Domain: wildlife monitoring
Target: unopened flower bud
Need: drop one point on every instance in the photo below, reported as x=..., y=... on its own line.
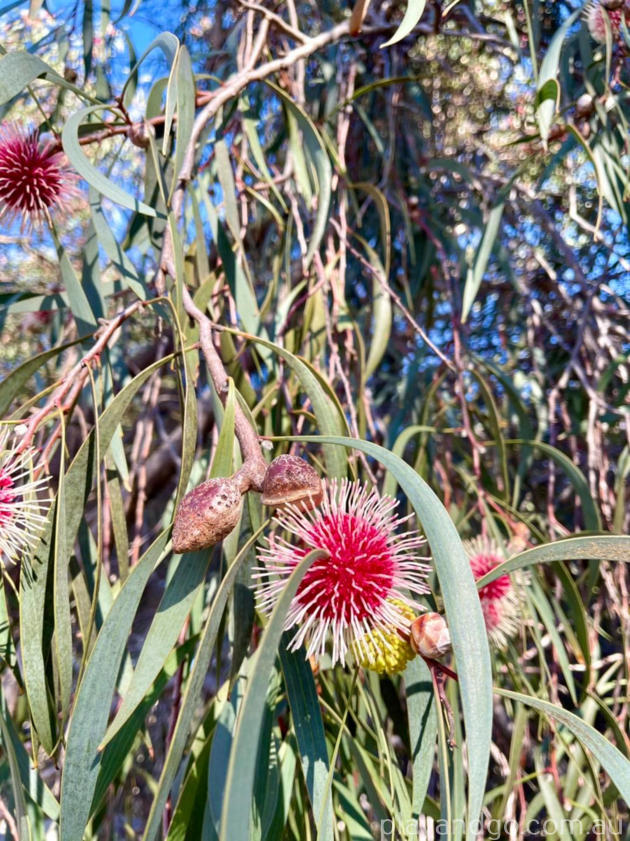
x=583, y=107
x=206, y=515
x=137, y=133
x=429, y=636
x=291, y=480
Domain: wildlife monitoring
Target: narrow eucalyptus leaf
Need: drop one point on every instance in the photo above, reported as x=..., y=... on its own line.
x=94, y=698
x=240, y=778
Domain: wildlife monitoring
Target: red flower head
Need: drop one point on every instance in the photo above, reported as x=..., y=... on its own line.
x=597, y=18
x=360, y=591
x=33, y=178
x=501, y=600
x=21, y=519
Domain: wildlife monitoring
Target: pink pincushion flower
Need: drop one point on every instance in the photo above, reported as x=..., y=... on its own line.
x=353, y=592
x=21, y=519
x=597, y=18
x=33, y=177
x=501, y=599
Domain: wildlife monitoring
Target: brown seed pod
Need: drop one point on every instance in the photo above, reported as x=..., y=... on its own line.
x=290, y=479
x=206, y=515
x=429, y=636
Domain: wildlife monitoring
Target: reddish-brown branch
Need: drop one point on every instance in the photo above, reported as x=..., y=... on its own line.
x=67, y=392
x=254, y=467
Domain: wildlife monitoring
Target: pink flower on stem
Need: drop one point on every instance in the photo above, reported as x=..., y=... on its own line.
x=501, y=599
x=357, y=593
x=33, y=177
x=21, y=519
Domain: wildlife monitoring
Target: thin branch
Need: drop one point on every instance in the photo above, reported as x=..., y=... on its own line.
x=73, y=381
x=396, y=299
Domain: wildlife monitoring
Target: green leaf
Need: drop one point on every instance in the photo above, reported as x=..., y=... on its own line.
x=189, y=812
x=14, y=383
x=382, y=314
x=186, y=580
x=8, y=656
x=168, y=43
x=309, y=731
x=549, y=620
x=555, y=813
x=422, y=728
x=94, y=698
x=228, y=188
x=192, y=694
x=592, y=519
x=588, y=548
x=35, y=635
x=78, y=485
x=61, y=594
x=34, y=786
x=241, y=771
x=233, y=264
x=185, y=98
x=413, y=13
x=77, y=299
x=547, y=89
x=494, y=420
x=223, y=459
x=88, y=35
x=610, y=757
x=189, y=424
x=577, y=617
x=329, y=415
x=19, y=69
x=463, y=612
x=114, y=250
x=94, y=177
x=288, y=761
x=250, y=123
x=356, y=821
x=220, y=757
x=119, y=522
x=170, y=104
x=116, y=755
x=476, y=273
x=19, y=302
x=24, y=829
x=316, y=150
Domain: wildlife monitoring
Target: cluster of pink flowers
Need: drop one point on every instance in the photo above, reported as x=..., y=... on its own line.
x=33, y=177
x=363, y=594
x=599, y=17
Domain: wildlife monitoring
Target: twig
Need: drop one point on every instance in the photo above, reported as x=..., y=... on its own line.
x=254, y=464
x=292, y=31
x=254, y=467
x=72, y=382
x=396, y=299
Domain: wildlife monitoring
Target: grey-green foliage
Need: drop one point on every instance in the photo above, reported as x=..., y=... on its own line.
x=412, y=243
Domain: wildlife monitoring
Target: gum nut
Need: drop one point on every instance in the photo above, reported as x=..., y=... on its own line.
x=290, y=479
x=429, y=635
x=206, y=515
